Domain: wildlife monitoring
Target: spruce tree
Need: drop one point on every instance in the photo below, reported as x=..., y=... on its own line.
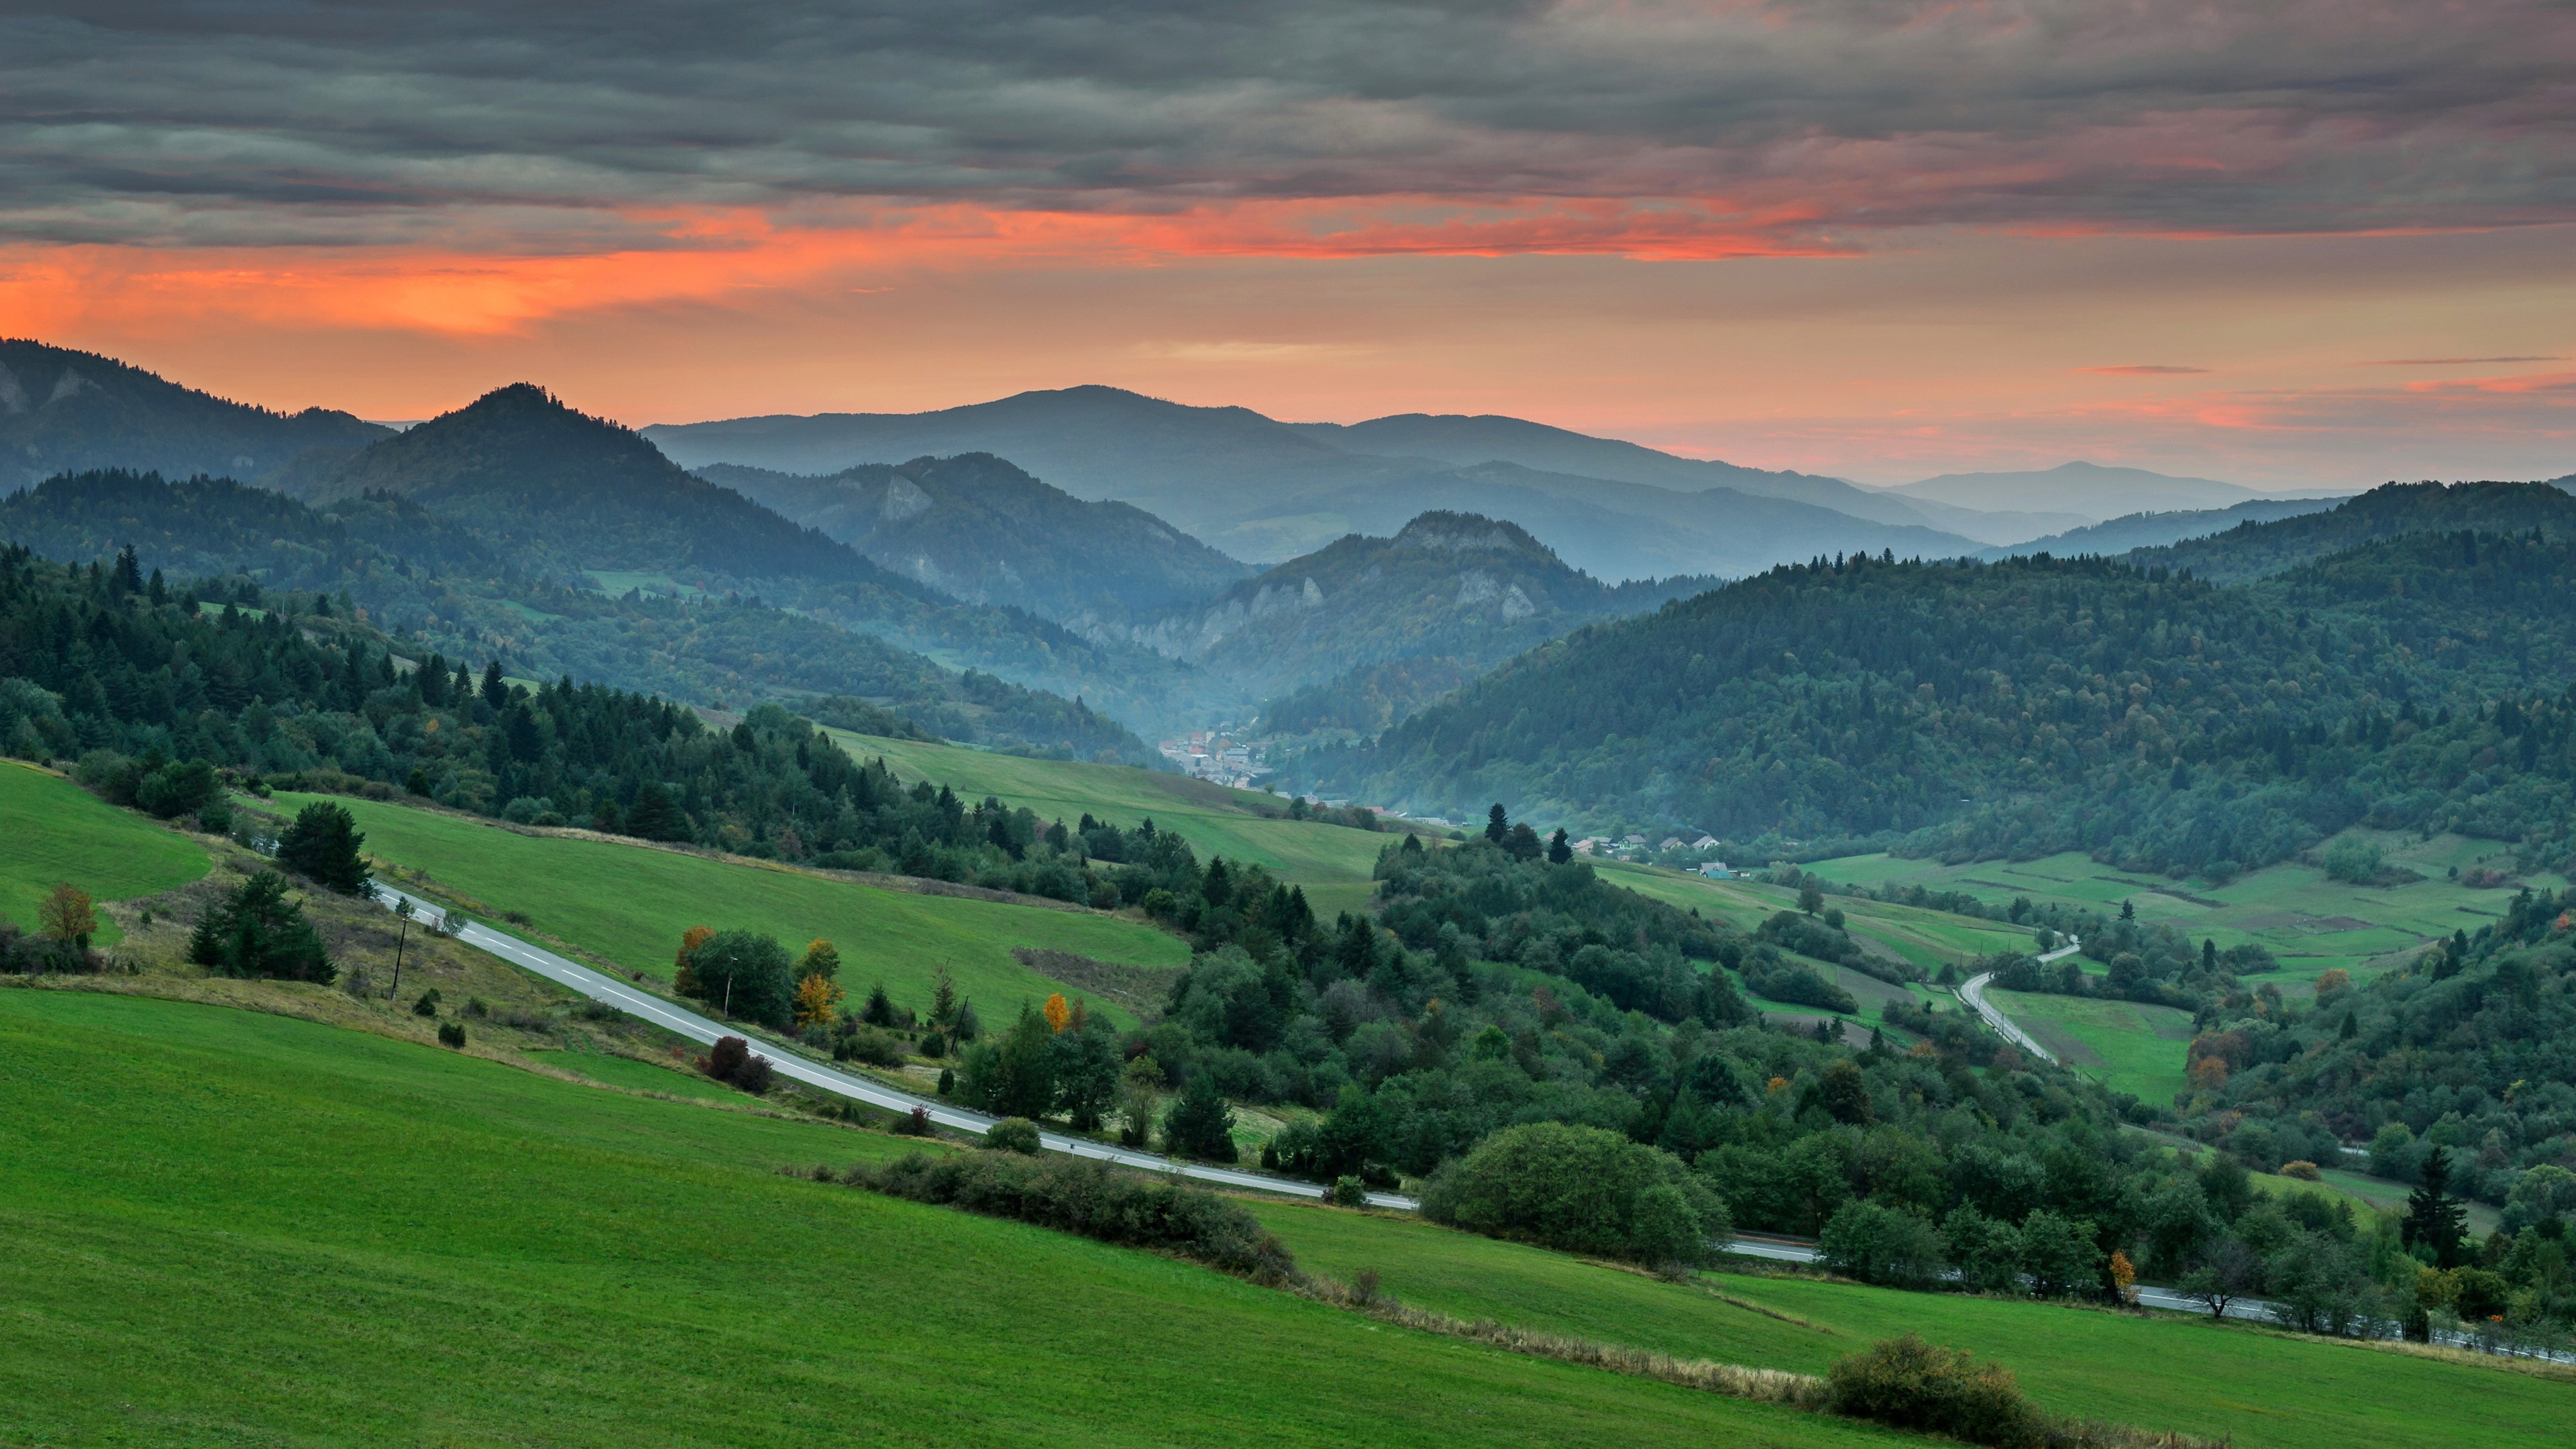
x=323, y=844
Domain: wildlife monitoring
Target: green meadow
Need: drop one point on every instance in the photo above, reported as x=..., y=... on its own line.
x=53, y=830
x=230, y=1228
x=2128, y=1046
x=1332, y=862
x=629, y=905
x=2153, y=1370
x=2310, y=923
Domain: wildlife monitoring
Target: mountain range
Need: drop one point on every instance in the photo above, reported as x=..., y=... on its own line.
x=63, y=411
x=1264, y=490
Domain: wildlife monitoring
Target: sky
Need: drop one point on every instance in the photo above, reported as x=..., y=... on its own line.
x=2302, y=243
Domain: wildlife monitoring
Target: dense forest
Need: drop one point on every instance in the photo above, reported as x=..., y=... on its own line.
x=2019, y=708
x=142, y=684
x=439, y=585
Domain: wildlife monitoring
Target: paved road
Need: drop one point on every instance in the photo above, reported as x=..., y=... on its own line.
x=1796, y=1250
x=1973, y=992
x=640, y=1003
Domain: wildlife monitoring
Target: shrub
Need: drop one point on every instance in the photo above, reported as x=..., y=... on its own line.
x=255, y=931
x=1013, y=1134
x=451, y=1034
x=1910, y=1384
x=2356, y=861
x=725, y=1058
x=868, y=1045
x=1880, y=1244
x=322, y=845
x=1082, y=1195
x=427, y=1005
x=2302, y=1169
x=915, y=1123
x=1582, y=1189
x=1349, y=1192
x=178, y=789
x=1781, y=979
x=753, y=1076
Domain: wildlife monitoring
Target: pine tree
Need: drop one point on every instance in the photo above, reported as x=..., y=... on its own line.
x=2434, y=1218
x=1201, y=1123
x=943, y=999
x=1559, y=851
x=1497, y=824
x=323, y=845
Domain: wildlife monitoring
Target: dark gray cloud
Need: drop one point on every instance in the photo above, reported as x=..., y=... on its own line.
x=548, y=125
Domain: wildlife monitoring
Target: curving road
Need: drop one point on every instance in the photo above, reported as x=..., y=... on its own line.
x=1973, y=992
x=680, y=1021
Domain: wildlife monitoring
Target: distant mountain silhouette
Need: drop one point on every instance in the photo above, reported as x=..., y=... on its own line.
x=1266, y=491
x=2088, y=490
x=63, y=411
x=979, y=528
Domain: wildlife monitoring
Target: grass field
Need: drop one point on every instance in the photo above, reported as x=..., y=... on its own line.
x=53, y=830
x=228, y=1229
x=1332, y=862
x=629, y=905
x=2125, y=1045
x=2160, y=1372
x=2310, y=923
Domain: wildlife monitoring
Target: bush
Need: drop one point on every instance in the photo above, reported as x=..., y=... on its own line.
x=255, y=931
x=451, y=1034
x=869, y=1045
x=1349, y=1192
x=915, y=1123
x=178, y=789
x=1910, y=1384
x=322, y=845
x=1082, y=1195
x=1779, y=979
x=2356, y=861
x=1883, y=1245
x=1013, y=1134
x=1581, y=1189
x=427, y=1005
x=731, y=1060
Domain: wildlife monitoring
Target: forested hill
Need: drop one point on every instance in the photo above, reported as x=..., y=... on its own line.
x=2253, y=550
x=520, y=466
x=2040, y=704
x=446, y=587
x=64, y=411
x=1449, y=596
x=978, y=527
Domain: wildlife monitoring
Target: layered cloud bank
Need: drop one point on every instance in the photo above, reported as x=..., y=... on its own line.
x=474, y=169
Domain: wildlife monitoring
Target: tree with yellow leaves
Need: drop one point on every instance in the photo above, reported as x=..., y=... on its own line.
x=2124, y=1277
x=818, y=1002
x=822, y=958
x=684, y=970
x=68, y=915
x=1058, y=1014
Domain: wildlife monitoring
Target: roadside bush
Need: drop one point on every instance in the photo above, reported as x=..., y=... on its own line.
x=1910, y=1384
x=731, y=1061
x=868, y=1045
x=915, y=1123
x=1581, y=1189
x=1013, y=1134
x=1879, y=1244
x=1349, y=1192
x=1082, y=1195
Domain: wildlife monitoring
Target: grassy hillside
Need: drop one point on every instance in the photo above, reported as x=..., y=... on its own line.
x=629, y=905
x=387, y=1243
x=2159, y=1371
x=53, y=830
x=1332, y=862
x=2312, y=924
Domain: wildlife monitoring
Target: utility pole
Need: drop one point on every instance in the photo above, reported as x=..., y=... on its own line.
x=402, y=908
